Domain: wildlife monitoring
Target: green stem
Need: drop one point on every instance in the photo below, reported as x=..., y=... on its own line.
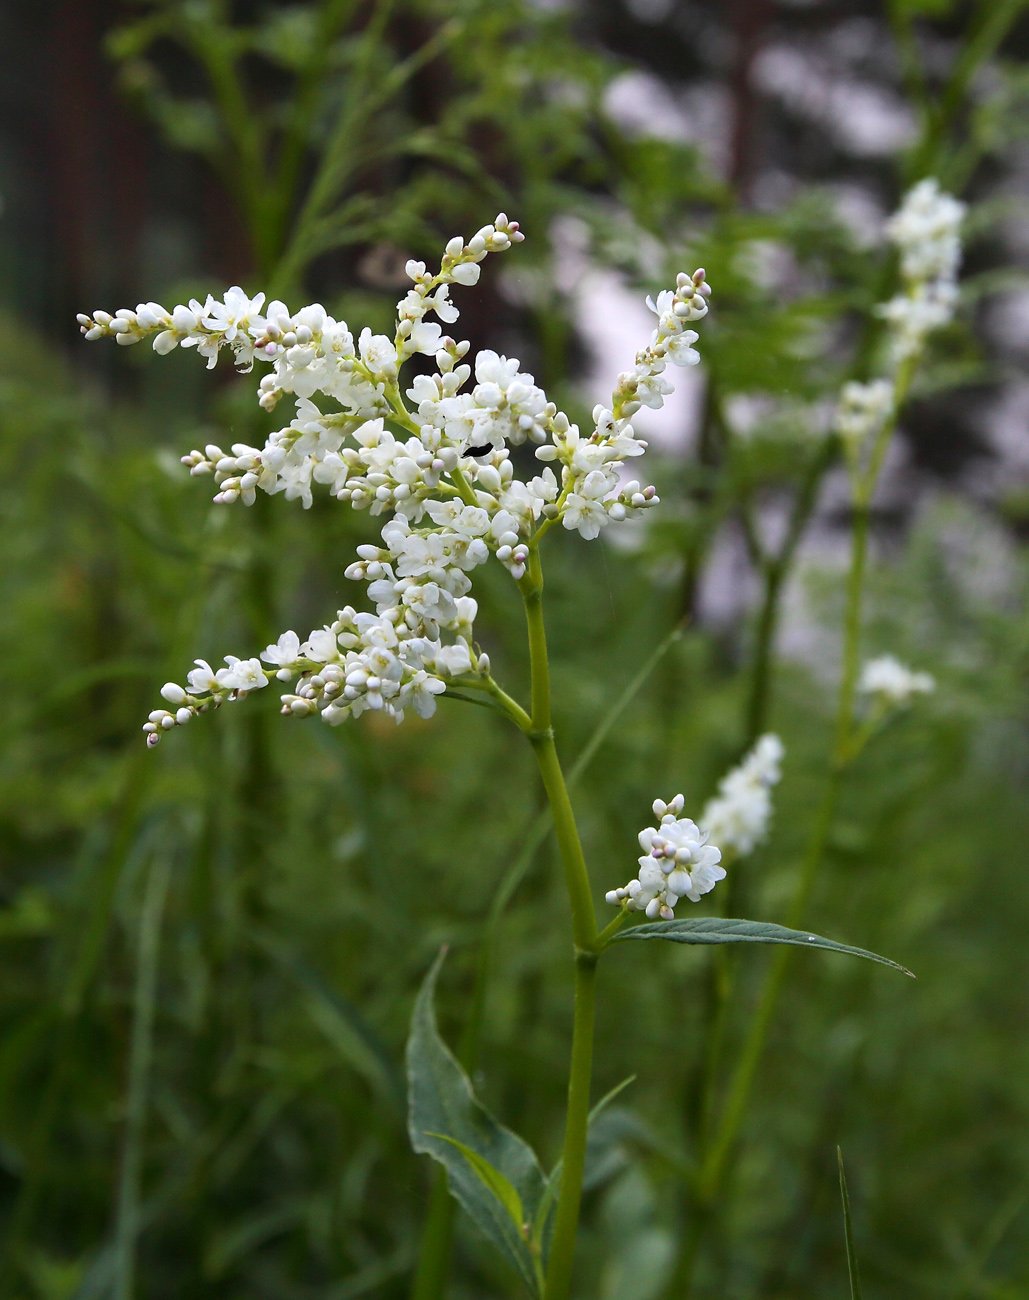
x=992, y=22
x=851, y=637
x=584, y=926
x=584, y=923
x=584, y=931
x=244, y=158
x=759, y=697
x=463, y=486
x=715, y=1160
x=566, y=1223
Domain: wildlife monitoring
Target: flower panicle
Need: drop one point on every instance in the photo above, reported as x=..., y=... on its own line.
x=432, y=456
x=739, y=816
x=926, y=231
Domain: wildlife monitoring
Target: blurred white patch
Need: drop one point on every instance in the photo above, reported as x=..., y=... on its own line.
x=858, y=210
x=1008, y=320
x=1006, y=424
x=864, y=119
x=643, y=105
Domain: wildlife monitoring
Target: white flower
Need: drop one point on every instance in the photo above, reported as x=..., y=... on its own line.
x=892, y=682
x=584, y=508
x=241, y=675
x=201, y=678
x=677, y=862
x=379, y=354
x=285, y=655
x=914, y=315
x=646, y=384
x=234, y=314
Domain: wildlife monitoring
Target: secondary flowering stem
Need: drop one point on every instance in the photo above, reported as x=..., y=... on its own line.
x=715, y=1159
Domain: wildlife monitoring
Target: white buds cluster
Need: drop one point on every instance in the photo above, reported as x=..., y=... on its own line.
x=677, y=862
x=646, y=384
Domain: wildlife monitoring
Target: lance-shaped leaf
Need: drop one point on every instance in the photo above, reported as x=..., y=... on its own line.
x=721, y=929
x=492, y=1173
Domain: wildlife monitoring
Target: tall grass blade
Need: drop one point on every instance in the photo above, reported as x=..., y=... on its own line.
x=848, y=1231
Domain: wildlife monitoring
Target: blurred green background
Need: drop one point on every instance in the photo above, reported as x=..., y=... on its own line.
x=208, y=954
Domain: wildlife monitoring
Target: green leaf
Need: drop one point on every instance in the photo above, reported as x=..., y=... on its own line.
x=492, y=1173
x=848, y=1232
x=721, y=929
x=490, y=1178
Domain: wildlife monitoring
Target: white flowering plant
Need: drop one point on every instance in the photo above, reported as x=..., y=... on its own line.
x=430, y=456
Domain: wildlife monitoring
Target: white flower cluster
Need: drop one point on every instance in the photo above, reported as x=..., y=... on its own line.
x=926, y=231
x=390, y=661
x=677, y=862
x=434, y=458
x=645, y=384
x=739, y=815
x=892, y=683
x=863, y=414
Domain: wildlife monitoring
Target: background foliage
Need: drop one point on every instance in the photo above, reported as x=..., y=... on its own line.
x=208, y=956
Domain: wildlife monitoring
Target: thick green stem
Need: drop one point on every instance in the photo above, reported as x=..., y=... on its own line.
x=539, y=665
x=566, y=1223
x=584, y=925
x=584, y=930
x=584, y=921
